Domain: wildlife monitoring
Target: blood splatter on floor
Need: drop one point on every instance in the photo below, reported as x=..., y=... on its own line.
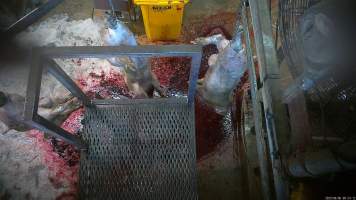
x=202, y=27
x=209, y=128
x=104, y=85
x=172, y=72
x=61, y=158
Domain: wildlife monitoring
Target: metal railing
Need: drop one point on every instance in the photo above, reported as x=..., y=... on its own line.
x=43, y=58
x=267, y=92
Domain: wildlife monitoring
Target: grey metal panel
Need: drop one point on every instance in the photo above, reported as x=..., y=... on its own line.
x=33, y=86
x=112, y=51
x=139, y=149
x=257, y=112
x=193, y=77
x=275, y=112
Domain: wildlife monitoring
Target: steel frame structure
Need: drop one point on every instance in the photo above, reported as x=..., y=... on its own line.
x=43, y=58
x=273, y=140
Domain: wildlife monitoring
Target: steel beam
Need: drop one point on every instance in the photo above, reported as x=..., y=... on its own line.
x=193, y=77
x=257, y=113
x=33, y=86
x=275, y=112
x=113, y=51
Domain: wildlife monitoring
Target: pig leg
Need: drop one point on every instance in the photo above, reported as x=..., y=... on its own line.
x=135, y=87
x=62, y=109
x=215, y=39
x=157, y=86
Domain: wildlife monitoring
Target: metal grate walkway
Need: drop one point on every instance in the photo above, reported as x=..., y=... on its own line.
x=139, y=149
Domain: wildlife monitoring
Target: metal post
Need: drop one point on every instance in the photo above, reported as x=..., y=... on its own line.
x=193, y=78
x=275, y=112
x=257, y=114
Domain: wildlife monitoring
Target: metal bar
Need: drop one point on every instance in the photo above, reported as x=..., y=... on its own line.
x=275, y=112
x=104, y=102
x=31, y=17
x=50, y=128
x=30, y=116
x=33, y=87
x=62, y=77
x=257, y=113
x=193, y=77
x=113, y=51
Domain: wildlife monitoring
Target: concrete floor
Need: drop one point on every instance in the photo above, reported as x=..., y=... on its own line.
x=219, y=172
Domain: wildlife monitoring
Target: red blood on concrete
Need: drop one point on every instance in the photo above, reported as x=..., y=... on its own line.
x=61, y=158
x=172, y=72
x=60, y=173
x=104, y=86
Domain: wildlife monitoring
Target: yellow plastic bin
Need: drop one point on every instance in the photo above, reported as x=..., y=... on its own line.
x=162, y=18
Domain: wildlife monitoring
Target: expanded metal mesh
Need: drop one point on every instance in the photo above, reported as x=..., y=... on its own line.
x=139, y=149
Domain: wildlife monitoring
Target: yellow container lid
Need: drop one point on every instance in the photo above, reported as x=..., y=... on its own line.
x=160, y=2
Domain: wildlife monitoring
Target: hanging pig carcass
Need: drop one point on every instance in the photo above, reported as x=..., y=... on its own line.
x=137, y=70
x=225, y=71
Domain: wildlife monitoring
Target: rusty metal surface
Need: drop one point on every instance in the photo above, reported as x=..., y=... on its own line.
x=139, y=149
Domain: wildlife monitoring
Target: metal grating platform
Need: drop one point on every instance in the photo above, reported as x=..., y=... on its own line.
x=139, y=149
